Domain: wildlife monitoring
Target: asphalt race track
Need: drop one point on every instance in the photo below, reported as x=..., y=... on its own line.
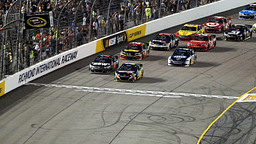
x=169, y=105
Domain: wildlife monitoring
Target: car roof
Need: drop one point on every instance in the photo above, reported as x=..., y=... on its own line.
x=203, y=35
x=165, y=34
x=217, y=17
x=192, y=25
x=136, y=43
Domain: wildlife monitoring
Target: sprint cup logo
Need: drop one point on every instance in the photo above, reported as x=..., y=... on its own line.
x=136, y=32
x=36, y=22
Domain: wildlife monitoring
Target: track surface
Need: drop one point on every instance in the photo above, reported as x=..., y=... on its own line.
x=79, y=108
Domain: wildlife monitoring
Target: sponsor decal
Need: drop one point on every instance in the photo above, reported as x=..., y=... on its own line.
x=250, y=98
x=47, y=66
x=37, y=21
x=2, y=88
x=114, y=40
x=136, y=33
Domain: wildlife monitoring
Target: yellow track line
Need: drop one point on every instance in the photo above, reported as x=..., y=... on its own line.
x=198, y=142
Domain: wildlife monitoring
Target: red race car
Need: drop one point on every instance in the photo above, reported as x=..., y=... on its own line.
x=217, y=24
x=202, y=42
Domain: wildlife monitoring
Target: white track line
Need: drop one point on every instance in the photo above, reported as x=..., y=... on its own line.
x=132, y=92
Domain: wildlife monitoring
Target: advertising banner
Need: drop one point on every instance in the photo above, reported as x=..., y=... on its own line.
x=37, y=21
x=2, y=88
x=136, y=32
x=115, y=39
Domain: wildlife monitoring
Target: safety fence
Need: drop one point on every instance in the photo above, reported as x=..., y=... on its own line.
x=75, y=22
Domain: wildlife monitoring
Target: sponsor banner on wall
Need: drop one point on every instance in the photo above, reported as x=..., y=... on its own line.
x=37, y=21
x=136, y=32
x=248, y=98
x=2, y=88
x=115, y=39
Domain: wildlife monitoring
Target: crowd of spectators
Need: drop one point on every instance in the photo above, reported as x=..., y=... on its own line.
x=79, y=23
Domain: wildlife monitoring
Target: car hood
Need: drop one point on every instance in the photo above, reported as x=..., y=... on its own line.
x=198, y=42
x=125, y=72
x=158, y=42
x=233, y=32
x=250, y=12
x=186, y=33
x=131, y=50
x=100, y=64
x=211, y=24
x=179, y=58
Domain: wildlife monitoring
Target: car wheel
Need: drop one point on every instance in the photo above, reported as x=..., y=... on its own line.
x=176, y=44
x=225, y=38
x=134, y=79
x=142, y=75
x=250, y=34
x=214, y=45
x=207, y=48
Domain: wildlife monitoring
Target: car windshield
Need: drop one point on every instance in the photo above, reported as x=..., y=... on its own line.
x=237, y=28
x=252, y=8
x=134, y=47
x=201, y=38
x=215, y=20
x=128, y=67
x=178, y=52
x=162, y=37
x=102, y=59
x=188, y=28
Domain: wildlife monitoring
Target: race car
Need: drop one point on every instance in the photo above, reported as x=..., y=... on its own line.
x=135, y=51
x=202, y=42
x=164, y=41
x=188, y=31
x=182, y=56
x=104, y=63
x=129, y=72
x=217, y=24
x=238, y=32
x=248, y=13
x=254, y=27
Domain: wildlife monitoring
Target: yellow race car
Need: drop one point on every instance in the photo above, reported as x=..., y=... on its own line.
x=188, y=31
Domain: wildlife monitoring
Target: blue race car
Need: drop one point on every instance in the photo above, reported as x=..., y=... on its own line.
x=182, y=56
x=248, y=13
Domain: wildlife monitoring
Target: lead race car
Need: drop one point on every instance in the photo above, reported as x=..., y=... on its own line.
x=135, y=51
x=104, y=63
x=217, y=24
x=188, y=31
x=129, y=72
x=248, y=13
x=202, y=42
x=164, y=41
x=238, y=32
x=182, y=56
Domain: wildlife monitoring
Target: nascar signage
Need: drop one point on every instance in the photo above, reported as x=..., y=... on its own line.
x=2, y=88
x=37, y=21
x=114, y=40
x=136, y=32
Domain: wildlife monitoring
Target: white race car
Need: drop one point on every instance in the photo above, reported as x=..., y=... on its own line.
x=182, y=56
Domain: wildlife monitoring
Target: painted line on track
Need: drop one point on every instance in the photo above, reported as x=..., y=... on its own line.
x=200, y=138
x=132, y=92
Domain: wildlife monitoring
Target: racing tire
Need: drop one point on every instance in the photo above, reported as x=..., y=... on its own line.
x=142, y=75
x=188, y=64
x=214, y=45
x=250, y=34
x=176, y=44
x=225, y=38
x=207, y=48
x=134, y=79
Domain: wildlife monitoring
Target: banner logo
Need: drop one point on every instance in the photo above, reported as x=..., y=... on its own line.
x=2, y=88
x=136, y=33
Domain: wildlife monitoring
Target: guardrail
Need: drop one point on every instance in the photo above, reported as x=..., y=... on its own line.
x=53, y=63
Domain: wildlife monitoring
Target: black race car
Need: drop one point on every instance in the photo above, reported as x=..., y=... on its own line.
x=164, y=41
x=129, y=72
x=104, y=63
x=238, y=32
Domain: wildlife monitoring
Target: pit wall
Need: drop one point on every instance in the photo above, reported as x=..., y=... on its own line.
x=51, y=64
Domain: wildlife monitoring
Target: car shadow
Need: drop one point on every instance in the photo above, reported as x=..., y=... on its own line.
x=221, y=49
x=154, y=58
x=150, y=80
x=201, y=64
